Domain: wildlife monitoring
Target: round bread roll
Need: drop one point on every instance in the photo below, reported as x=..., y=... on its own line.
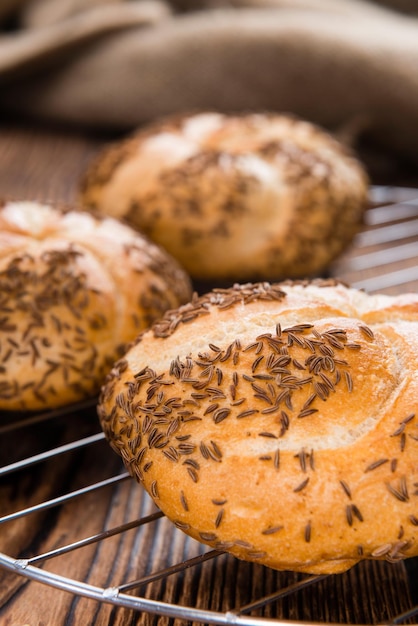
x=249, y=197
x=278, y=422
x=74, y=290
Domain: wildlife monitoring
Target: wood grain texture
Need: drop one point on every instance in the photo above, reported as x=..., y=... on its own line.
x=41, y=164
x=46, y=165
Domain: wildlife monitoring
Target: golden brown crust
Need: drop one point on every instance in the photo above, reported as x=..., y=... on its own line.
x=242, y=197
x=278, y=422
x=74, y=291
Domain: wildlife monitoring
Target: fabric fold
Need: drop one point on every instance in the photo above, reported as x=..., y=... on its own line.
x=345, y=63
x=44, y=47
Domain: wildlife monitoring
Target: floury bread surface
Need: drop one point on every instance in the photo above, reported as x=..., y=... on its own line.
x=74, y=290
x=278, y=422
x=244, y=197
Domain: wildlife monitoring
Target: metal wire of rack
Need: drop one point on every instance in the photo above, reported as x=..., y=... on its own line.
x=372, y=265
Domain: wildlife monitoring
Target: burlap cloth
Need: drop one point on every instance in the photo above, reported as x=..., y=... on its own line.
x=348, y=65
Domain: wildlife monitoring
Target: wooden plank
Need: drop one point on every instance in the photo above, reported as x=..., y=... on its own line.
x=42, y=164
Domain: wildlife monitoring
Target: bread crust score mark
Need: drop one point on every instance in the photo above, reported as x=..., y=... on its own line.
x=278, y=422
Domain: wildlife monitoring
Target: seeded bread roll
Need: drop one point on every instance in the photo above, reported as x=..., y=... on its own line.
x=74, y=290
x=278, y=422
x=257, y=196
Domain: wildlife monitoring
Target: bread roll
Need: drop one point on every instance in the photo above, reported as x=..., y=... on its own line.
x=74, y=290
x=278, y=422
x=250, y=197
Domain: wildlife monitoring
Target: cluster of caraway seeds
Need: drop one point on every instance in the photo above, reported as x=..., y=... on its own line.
x=36, y=296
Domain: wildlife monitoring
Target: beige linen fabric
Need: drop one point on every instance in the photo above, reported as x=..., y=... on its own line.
x=114, y=64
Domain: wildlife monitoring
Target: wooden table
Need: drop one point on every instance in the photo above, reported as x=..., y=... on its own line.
x=46, y=164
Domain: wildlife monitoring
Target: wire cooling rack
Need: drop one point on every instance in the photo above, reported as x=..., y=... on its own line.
x=384, y=258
